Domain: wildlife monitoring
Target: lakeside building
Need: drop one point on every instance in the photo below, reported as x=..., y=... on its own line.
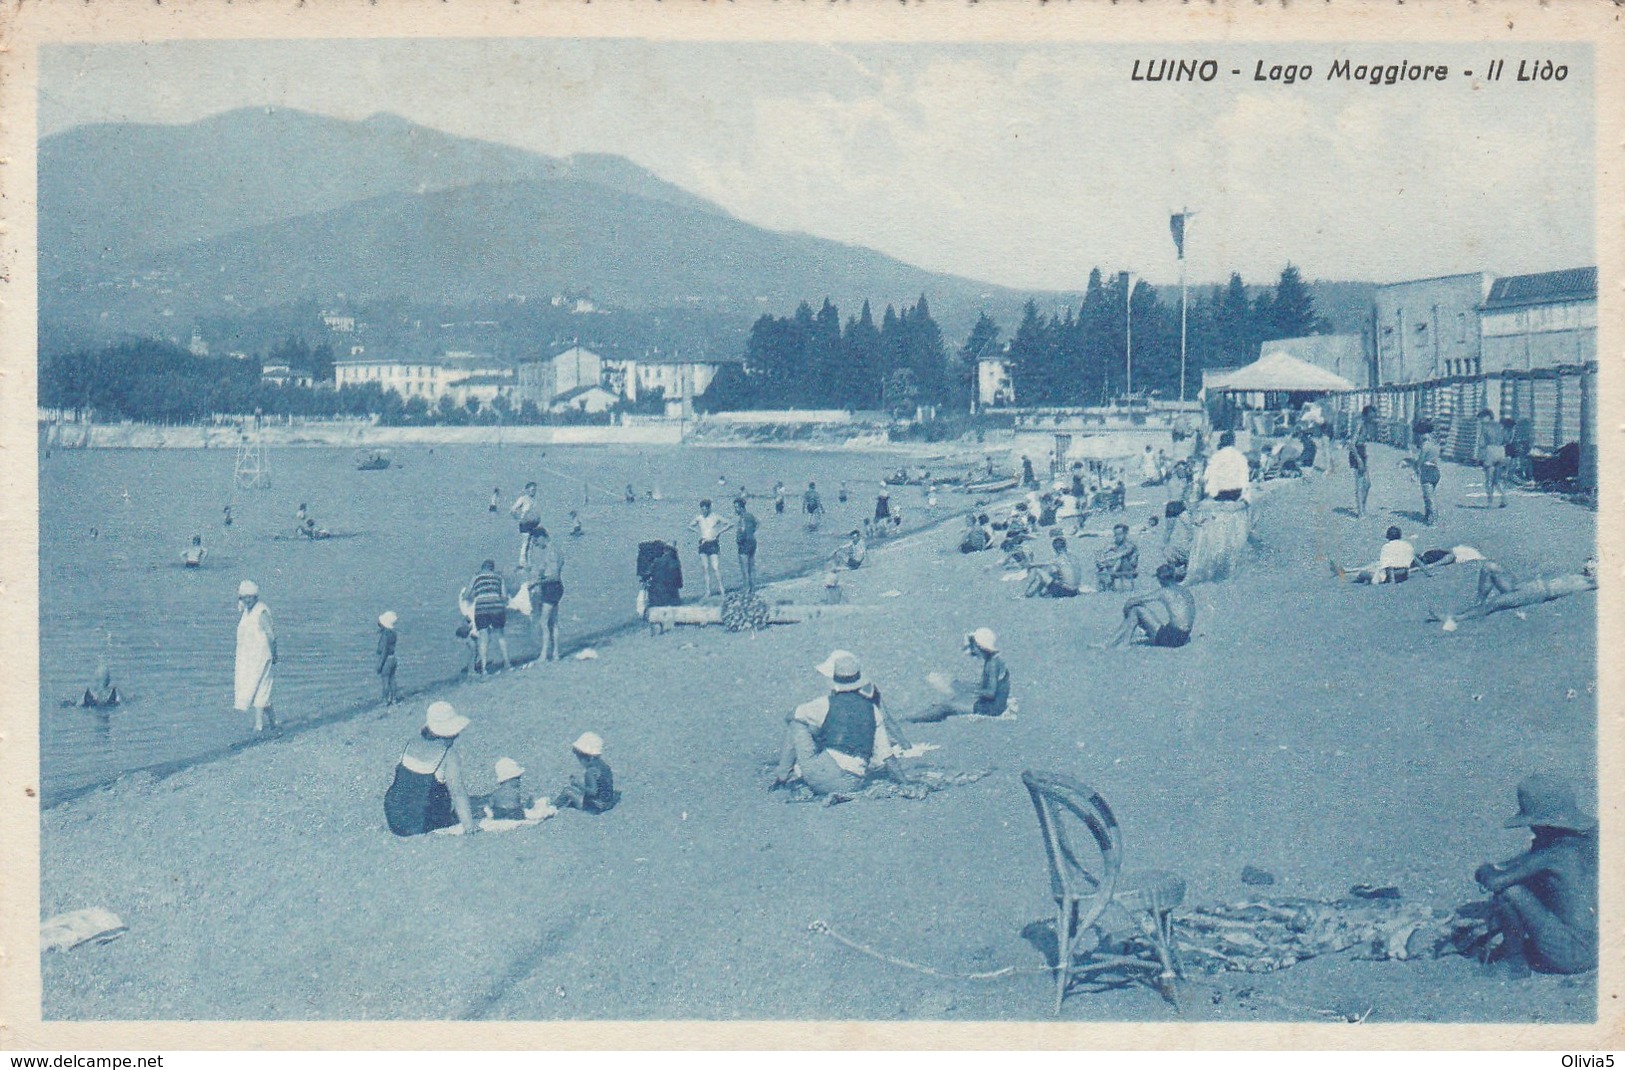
x=278, y=373
x=994, y=385
x=1427, y=328
x=543, y=380
x=460, y=375
x=1545, y=320
x=590, y=398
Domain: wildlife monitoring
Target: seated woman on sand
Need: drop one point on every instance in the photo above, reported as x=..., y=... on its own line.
x=989, y=696
x=427, y=792
x=837, y=742
x=1393, y=564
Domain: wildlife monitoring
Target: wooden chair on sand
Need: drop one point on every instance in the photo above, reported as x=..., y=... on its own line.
x=1088, y=884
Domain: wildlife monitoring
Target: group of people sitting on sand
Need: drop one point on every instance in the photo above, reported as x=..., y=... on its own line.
x=430, y=791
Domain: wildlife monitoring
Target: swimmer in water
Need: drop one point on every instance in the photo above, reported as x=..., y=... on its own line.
x=299, y=519
x=95, y=533
x=496, y=494
x=193, y=555
x=575, y=525
x=631, y=495
x=101, y=694
x=227, y=512
x=311, y=531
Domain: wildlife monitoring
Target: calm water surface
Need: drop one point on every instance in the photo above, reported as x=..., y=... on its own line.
x=113, y=524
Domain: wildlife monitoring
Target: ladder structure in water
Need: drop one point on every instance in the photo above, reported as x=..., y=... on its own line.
x=253, y=472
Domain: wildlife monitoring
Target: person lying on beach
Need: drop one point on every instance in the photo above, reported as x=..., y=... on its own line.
x=988, y=697
x=1499, y=589
x=389, y=694
x=1544, y=901
x=838, y=741
x=1058, y=579
x=1393, y=564
x=592, y=791
x=100, y=692
x=193, y=555
x=1120, y=560
x=1165, y=616
x=509, y=800
x=427, y=792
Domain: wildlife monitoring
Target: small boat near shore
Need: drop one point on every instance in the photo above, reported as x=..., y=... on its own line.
x=992, y=486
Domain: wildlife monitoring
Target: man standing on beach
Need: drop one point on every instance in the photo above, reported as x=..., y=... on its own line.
x=1492, y=454
x=256, y=656
x=745, y=534
x=524, y=510
x=549, y=591
x=710, y=526
x=813, y=505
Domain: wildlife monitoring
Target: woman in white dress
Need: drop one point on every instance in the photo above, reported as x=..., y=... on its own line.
x=256, y=654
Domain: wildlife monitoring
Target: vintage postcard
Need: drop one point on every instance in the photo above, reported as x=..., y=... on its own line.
x=556, y=525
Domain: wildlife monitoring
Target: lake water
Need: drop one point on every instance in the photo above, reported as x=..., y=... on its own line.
x=113, y=524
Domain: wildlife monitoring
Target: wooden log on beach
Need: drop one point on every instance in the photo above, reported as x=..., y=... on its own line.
x=667, y=616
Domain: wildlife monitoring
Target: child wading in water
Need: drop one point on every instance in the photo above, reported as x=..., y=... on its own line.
x=388, y=692
x=593, y=791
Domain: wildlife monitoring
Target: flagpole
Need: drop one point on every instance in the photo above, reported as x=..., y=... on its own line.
x=1185, y=213
x=1128, y=331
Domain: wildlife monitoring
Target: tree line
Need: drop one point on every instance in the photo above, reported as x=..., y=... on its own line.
x=1072, y=356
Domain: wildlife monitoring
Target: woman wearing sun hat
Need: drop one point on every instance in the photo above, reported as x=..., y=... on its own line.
x=832, y=744
x=256, y=656
x=427, y=792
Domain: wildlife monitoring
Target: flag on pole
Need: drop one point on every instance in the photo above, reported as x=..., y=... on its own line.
x=1176, y=226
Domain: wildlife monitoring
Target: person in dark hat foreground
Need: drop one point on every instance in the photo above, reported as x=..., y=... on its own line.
x=1544, y=905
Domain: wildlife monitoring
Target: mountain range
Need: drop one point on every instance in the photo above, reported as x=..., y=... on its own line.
x=262, y=206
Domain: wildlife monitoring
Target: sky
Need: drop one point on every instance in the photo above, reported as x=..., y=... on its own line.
x=1023, y=165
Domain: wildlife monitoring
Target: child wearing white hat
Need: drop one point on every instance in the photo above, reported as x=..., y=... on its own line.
x=510, y=800
x=389, y=694
x=593, y=791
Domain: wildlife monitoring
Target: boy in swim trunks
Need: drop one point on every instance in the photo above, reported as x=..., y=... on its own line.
x=524, y=510
x=192, y=556
x=1166, y=616
x=490, y=597
x=549, y=565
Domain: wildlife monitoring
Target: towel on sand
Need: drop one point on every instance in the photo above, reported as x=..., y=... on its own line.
x=534, y=816
x=64, y=932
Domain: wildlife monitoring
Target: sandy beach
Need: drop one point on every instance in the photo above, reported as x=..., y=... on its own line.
x=1321, y=731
